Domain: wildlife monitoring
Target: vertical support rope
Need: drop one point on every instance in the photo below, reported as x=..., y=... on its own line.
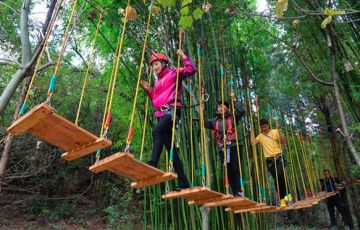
x=202, y=123
x=130, y=132
x=232, y=94
x=37, y=65
x=112, y=82
x=145, y=120
x=248, y=158
x=262, y=158
x=254, y=148
x=291, y=160
x=222, y=76
x=88, y=68
x=175, y=106
x=115, y=73
x=62, y=50
x=298, y=161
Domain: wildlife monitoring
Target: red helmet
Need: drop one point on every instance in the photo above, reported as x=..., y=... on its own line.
x=158, y=56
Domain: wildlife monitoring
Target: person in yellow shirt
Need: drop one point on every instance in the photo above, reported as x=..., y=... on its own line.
x=271, y=141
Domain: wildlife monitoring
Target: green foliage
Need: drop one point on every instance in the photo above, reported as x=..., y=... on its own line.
x=167, y=3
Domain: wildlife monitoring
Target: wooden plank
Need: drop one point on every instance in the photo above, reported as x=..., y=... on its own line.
x=154, y=180
x=207, y=200
x=30, y=119
x=194, y=194
x=236, y=201
x=73, y=154
x=62, y=133
x=253, y=209
x=124, y=164
x=235, y=208
x=111, y=160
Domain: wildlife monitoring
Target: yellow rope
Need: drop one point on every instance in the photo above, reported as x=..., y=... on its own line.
x=316, y=165
x=290, y=157
x=117, y=62
x=298, y=161
x=282, y=162
x=224, y=130
x=202, y=123
x=63, y=45
x=45, y=43
x=110, y=84
x=175, y=103
x=88, y=68
x=128, y=140
x=248, y=160
x=306, y=163
x=237, y=138
x=191, y=132
x=145, y=120
x=262, y=158
x=253, y=145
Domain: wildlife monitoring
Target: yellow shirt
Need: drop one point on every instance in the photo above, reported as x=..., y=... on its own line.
x=270, y=143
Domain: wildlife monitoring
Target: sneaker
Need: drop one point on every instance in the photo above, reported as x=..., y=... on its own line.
x=288, y=198
x=182, y=186
x=239, y=194
x=282, y=203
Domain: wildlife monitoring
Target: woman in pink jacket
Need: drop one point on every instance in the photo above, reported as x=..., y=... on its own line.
x=163, y=99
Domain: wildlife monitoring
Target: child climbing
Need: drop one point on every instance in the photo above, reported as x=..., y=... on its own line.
x=216, y=125
x=271, y=140
x=163, y=97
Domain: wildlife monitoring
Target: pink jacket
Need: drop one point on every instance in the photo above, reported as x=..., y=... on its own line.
x=164, y=89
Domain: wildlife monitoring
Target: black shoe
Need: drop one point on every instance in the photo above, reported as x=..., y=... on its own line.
x=151, y=163
x=239, y=194
x=182, y=186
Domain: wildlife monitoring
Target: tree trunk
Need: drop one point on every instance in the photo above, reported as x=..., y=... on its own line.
x=353, y=153
x=27, y=61
x=9, y=139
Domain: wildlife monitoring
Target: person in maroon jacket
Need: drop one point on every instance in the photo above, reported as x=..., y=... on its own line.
x=163, y=99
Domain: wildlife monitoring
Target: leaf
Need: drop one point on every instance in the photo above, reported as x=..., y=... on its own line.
x=186, y=22
x=281, y=7
x=197, y=13
x=296, y=23
x=185, y=2
x=167, y=3
x=330, y=12
x=184, y=11
x=326, y=21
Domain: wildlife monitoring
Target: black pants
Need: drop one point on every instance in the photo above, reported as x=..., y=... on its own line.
x=233, y=170
x=162, y=133
x=340, y=204
x=270, y=163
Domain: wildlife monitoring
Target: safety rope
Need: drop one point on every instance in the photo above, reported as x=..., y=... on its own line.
x=170, y=169
x=222, y=76
x=38, y=62
x=112, y=82
x=298, y=162
x=252, y=130
x=264, y=172
x=91, y=57
x=130, y=132
x=145, y=120
x=62, y=50
x=232, y=94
